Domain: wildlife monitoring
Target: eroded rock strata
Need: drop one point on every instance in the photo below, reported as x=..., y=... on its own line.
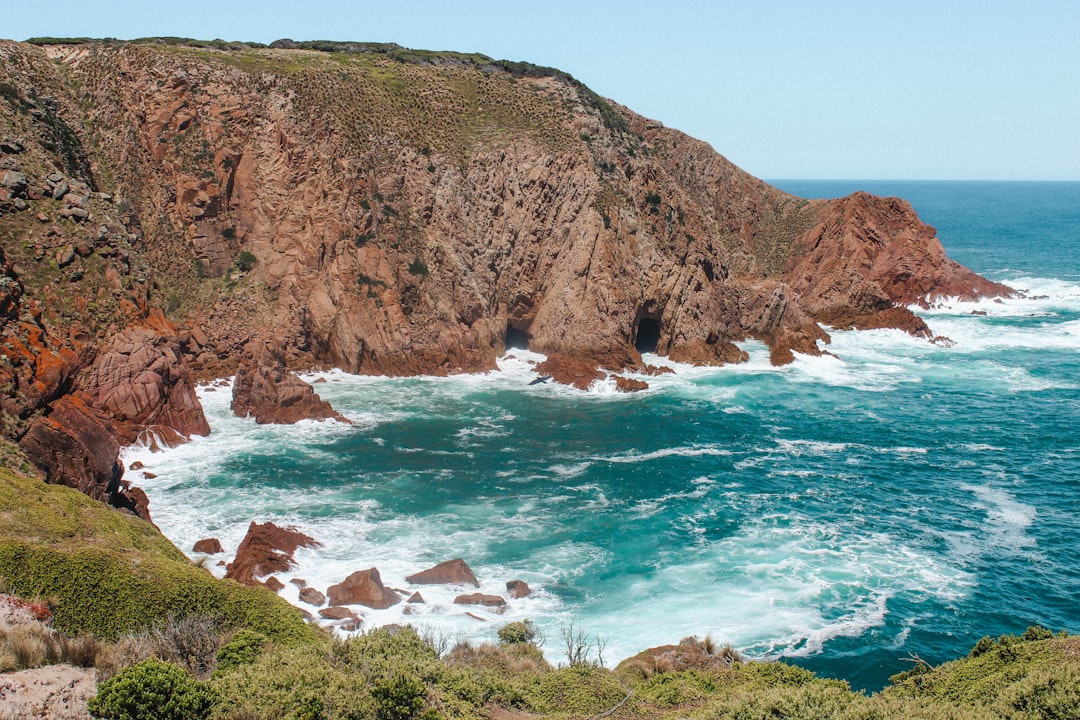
x=164, y=207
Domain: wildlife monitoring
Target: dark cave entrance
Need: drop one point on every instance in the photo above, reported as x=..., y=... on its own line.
x=516, y=338
x=647, y=336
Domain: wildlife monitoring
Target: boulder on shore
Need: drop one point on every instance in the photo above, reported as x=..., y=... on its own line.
x=579, y=372
x=210, y=546
x=312, y=596
x=363, y=587
x=451, y=572
x=266, y=549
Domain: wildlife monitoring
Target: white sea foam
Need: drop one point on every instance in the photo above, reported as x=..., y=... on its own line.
x=686, y=451
x=1007, y=519
x=776, y=588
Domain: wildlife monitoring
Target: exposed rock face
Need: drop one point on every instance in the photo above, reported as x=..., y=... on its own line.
x=393, y=217
x=363, y=587
x=451, y=572
x=266, y=549
x=76, y=446
x=589, y=248
x=140, y=379
x=266, y=390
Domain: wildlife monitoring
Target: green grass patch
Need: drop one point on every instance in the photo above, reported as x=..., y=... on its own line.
x=108, y=573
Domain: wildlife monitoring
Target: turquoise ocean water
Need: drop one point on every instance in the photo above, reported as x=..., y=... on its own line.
x=898, y=498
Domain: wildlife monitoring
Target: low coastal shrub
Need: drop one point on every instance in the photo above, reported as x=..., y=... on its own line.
x=152, y=689
x=580, y=690
x=399, y=696
x=517, y=633
x=242, y=649
x=100, y=592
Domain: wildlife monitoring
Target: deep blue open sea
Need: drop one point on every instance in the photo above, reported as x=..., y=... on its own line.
x=898, y=498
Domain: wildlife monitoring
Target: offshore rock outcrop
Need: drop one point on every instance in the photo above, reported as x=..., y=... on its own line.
x=398, y=215
x=265, y=549
x=266, y=390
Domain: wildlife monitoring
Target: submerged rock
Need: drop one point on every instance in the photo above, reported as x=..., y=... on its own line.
x=480, y=599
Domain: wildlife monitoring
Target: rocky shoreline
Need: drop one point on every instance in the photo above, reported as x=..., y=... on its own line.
x=173, y=215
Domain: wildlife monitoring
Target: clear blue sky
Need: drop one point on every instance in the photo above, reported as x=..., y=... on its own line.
x=914, y=89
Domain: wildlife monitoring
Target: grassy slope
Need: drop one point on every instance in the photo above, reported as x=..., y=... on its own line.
x=109, y=573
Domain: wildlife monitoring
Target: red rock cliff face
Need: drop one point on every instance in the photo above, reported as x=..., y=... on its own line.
x=408, y=217
x=398, y=217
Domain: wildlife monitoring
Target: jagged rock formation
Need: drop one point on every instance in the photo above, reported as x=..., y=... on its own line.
x=265, y=549
x=451, y=572
x=266, y=390
x=413, y=213
x=363, y=587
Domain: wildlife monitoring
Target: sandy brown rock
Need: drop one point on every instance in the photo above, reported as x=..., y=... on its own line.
x=266, y=390
x=451, y=572
x=53, y=691
x=363, y=587
x=210, y=546
x=266, y=549
x=480, y=599
x=579, y=372
x=518, y=589
x=312, y=596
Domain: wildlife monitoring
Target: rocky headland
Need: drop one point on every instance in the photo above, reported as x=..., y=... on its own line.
x=173, y=212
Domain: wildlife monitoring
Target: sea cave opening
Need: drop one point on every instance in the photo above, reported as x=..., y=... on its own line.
x=647, y=335
x=516, y=338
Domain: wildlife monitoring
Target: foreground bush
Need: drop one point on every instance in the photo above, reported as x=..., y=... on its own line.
x=152, y=689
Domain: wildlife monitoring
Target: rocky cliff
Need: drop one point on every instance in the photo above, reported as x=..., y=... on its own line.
x=386, y=211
